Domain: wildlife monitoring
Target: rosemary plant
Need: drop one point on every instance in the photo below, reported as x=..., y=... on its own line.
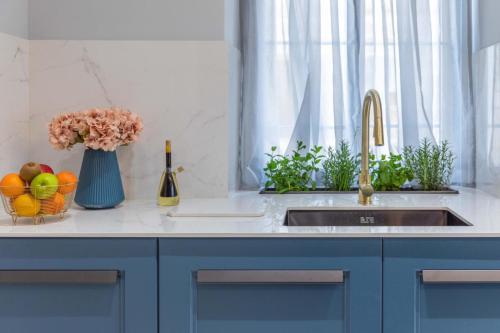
x=340, y=167
x=431, y=164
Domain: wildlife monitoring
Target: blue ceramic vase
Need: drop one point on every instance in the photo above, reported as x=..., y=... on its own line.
x=100, y=183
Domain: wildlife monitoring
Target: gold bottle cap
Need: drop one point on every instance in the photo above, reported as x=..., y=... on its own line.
x=168, y=146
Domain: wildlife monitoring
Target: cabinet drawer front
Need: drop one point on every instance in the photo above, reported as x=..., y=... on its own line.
x=27, y=308
x=273, y=285
x=78, y=285
x=442, y=285
x=248, y=308
x=458, y=308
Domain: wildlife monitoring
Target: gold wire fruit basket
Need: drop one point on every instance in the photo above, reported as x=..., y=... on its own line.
x=37, y=203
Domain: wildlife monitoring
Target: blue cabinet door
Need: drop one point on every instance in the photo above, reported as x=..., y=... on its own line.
x=78, y=285
x=270, y=285
x=441, y=285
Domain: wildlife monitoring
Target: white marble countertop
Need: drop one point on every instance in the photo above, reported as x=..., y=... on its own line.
x=145, y=219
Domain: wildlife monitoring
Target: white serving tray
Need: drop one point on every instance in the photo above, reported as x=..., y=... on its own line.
x=225, y=207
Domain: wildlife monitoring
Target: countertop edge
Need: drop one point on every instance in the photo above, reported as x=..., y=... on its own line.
x=257, y=235
x=144, y=219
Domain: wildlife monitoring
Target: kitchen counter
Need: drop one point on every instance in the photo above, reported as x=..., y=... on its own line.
x=145, y=219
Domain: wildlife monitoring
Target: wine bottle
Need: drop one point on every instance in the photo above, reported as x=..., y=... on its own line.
x=168, y=193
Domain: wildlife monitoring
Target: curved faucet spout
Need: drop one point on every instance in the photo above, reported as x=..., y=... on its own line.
x=372, y=98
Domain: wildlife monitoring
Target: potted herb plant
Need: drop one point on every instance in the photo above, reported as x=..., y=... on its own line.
x=340, y=168
x=389, y=173
x=293, y=173
x=431, y=164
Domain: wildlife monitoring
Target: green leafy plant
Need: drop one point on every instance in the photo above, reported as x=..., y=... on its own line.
x=389, y=173
x=341, y=168
x=293, y=173
x=431, y=164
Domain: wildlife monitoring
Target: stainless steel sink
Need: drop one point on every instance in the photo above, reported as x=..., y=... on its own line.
x=373, y=217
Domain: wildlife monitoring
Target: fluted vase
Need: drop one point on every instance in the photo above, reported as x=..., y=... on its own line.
x=100, y=183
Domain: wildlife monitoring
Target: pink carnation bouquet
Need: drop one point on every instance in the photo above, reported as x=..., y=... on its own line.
x=98, y=129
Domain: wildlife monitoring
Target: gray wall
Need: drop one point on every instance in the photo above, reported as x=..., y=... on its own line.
x=14, y=17
x=489, y=22
x=232, y=33
x=232, y=22
x=126, y=19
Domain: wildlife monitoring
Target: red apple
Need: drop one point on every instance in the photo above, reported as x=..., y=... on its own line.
x=46, y=169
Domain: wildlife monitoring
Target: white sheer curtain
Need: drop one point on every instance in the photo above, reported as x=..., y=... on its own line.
x=487, y=103
x=308, y=63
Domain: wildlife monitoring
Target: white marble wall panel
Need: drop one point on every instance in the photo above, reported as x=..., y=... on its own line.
x=178, y=88
x=14, y=102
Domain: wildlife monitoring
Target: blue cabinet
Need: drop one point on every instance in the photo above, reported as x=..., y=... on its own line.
x=292, y=285
x=270, y=285
x=441, y=285
x=78, y=285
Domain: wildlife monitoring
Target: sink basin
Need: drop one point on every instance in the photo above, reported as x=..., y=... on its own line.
x=373, y=217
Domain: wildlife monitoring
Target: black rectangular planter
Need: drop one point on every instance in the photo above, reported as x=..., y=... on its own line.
x=322, y=190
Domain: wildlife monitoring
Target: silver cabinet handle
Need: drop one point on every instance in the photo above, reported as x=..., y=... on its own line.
x=271, y=276
x=461, y=276
x=58, y=277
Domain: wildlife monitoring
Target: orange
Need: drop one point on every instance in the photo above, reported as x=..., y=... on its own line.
x=67, y=182
x=26, y=205
x=53, y=205
x=12, y=185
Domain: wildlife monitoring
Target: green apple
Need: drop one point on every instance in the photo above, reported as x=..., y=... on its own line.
x=44, y=185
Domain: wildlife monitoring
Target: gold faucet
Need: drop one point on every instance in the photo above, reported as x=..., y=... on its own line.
x=365, y=184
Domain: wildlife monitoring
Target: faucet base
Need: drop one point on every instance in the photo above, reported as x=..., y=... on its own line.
x=364, y=200
x=365, y=188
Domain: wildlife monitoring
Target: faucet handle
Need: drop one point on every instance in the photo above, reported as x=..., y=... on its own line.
x=367, y=190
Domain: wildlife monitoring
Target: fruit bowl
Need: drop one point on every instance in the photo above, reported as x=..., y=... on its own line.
x=37, y=202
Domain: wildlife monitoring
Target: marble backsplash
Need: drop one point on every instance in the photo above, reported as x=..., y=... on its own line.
x=14, y=102
x=178, y=88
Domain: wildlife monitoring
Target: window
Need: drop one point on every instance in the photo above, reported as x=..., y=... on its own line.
x=307, y=65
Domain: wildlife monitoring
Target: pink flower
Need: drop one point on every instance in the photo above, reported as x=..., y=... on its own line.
x=61, y=133
x=80, y=124
x=130, y=126
x=104, y=129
